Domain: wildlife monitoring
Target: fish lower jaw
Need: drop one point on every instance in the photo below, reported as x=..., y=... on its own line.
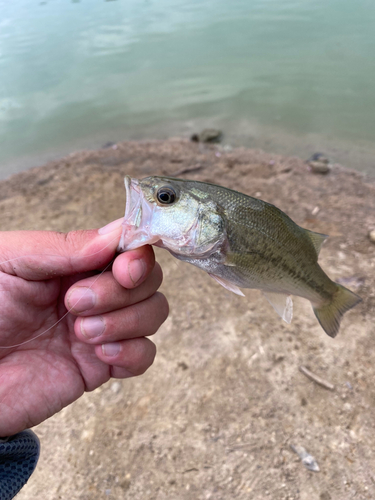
x=173, y=248
x=132, y=238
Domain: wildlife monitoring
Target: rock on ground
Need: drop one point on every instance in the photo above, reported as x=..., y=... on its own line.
x=215, y=416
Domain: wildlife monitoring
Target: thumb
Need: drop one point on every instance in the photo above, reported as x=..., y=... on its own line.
x=40, y=255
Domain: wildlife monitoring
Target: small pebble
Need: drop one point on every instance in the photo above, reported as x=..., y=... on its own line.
x=319, y=157
x=325, y=496
x=208, y=135
x=116, y=387
x=371, y=236
x=319, y=167
x=308, y=460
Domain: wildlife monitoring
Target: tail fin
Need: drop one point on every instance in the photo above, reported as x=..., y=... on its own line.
x=329, y=315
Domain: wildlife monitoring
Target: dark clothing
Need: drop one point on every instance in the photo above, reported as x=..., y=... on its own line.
x=18, y=458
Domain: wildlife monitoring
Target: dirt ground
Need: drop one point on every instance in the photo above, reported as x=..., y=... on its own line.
x=216, y=415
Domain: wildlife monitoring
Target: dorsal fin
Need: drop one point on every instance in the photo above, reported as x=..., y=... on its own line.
x=317, y=239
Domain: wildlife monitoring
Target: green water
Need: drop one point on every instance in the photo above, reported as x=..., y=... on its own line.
x=289, y=76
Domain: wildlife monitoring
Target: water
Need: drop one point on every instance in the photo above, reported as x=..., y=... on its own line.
x=290, y=76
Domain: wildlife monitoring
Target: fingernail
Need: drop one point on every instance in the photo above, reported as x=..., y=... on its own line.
x=137, y=269
x=111, y=349
x=111, y=226
x=92, y=327
x=81, y=299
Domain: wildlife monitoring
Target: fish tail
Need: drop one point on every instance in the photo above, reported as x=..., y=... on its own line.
x=329, y=315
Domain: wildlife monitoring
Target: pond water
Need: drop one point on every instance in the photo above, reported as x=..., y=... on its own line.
x=289, y=76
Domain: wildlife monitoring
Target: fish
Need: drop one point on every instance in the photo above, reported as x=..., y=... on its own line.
x=240, y=241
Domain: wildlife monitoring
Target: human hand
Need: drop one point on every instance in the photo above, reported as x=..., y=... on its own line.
x=45, y=372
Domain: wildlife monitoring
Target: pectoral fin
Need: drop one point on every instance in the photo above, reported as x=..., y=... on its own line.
x=282, y=304
x=227, y=284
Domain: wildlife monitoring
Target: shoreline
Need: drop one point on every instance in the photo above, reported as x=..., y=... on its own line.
x=353, y=154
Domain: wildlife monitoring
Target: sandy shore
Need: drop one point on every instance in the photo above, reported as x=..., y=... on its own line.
x=215, y=416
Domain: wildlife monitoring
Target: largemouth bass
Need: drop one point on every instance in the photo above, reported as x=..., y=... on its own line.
x=240, y=241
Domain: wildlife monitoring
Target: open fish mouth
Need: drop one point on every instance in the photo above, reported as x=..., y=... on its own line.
x=137, y=218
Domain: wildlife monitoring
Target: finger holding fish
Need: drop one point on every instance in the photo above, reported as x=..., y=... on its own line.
x=131, y=269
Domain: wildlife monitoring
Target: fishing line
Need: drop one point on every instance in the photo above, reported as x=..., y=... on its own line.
x=69, y=310
x=64, y=316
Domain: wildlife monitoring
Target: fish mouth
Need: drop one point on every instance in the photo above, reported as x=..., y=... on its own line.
x=137, y=218
x=133, y=204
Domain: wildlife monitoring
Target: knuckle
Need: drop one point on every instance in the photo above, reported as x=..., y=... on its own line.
x=163, y=306
x=158, y=274
x=126, y=297
x=134, y=319
x=144, y=357
x=158, y=313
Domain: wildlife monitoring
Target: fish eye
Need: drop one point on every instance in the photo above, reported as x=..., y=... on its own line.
x=166, y=195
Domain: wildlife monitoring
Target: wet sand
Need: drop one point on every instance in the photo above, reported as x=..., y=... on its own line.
x=216, y=415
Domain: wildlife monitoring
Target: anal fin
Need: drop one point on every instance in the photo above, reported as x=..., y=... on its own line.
x=283, y=305
x=227, y=284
